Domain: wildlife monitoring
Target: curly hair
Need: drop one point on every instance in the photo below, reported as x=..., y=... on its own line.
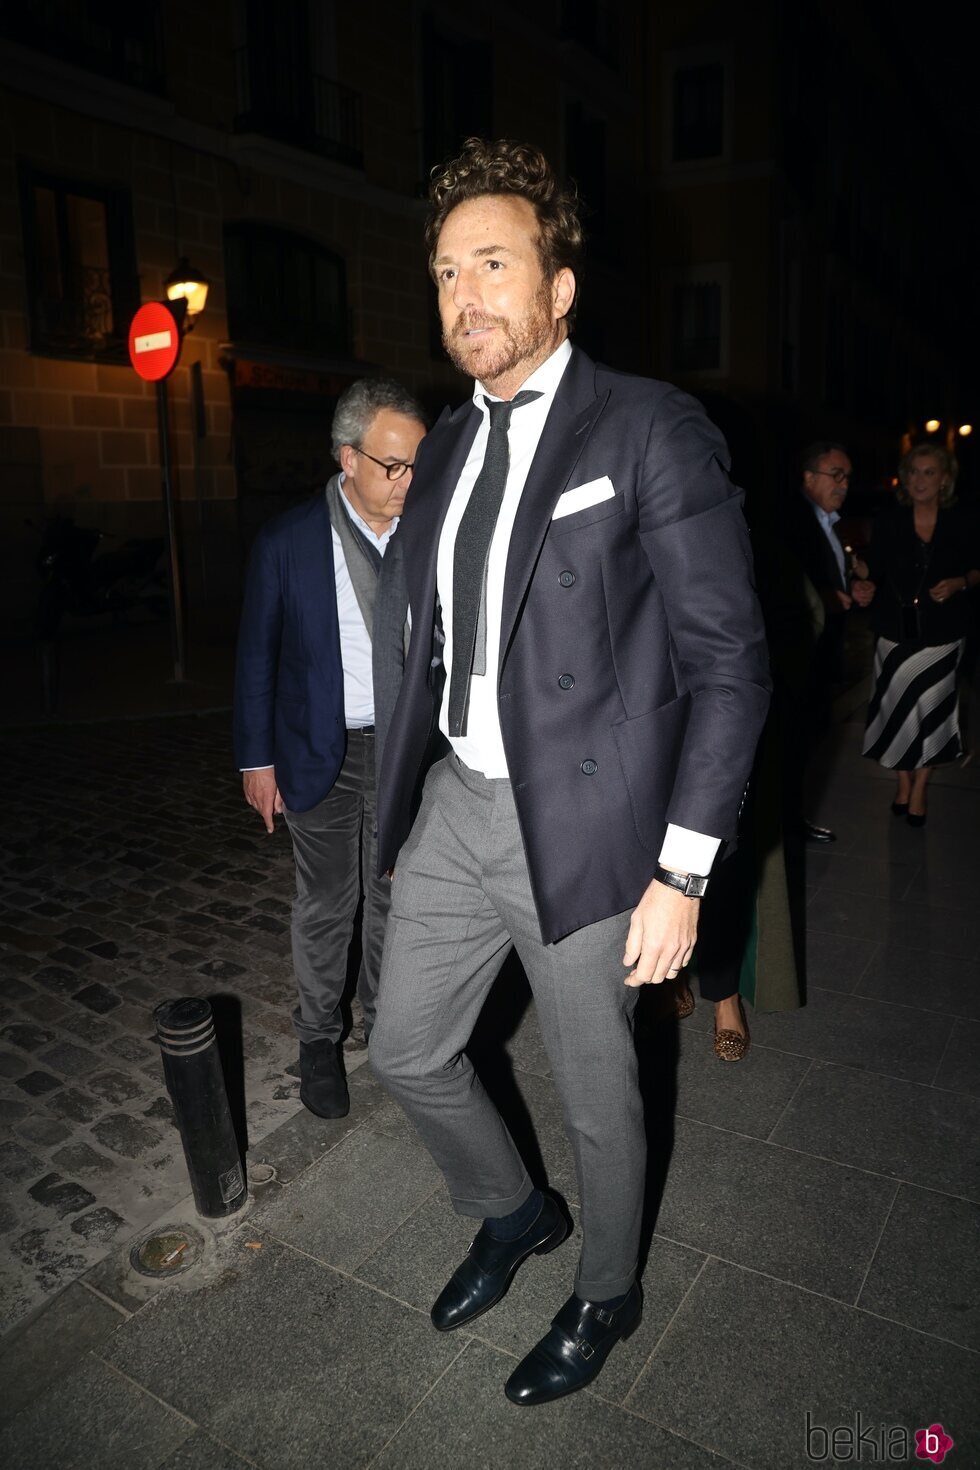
x=506, y=167
x=948, y=464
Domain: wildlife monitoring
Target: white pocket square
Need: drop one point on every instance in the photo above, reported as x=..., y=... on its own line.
x=583, y=496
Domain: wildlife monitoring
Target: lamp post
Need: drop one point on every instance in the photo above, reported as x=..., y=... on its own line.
x=184, y=283
x=155, y=337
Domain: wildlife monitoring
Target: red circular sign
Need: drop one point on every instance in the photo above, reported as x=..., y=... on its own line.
x=154, y=341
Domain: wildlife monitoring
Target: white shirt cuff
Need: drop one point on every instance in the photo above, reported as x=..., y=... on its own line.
x=243, y=769
x=689, y=852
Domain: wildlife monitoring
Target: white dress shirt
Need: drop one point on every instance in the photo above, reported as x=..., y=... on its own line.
x=355, y=640
x=482, y=747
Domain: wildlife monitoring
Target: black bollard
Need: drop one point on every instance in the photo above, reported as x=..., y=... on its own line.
x=192, y=1069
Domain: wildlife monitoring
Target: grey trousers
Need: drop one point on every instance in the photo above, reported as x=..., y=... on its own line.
x=461, y=899
x=335, y=848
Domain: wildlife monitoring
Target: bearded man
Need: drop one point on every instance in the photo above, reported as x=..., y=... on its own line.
x=586, y=637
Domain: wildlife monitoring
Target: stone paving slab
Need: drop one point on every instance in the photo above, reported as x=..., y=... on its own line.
x=799, y=1178
x=131, y=872
x=747, y=1358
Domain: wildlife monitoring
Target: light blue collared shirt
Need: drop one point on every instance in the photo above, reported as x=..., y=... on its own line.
x=355, y=640
x=827, y=520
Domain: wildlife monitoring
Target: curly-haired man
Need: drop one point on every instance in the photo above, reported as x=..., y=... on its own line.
x=587, y=640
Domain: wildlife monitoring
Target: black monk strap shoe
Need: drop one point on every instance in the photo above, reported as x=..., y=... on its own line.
x=481, y=1279
x=573, y=1351
x=323, y=1086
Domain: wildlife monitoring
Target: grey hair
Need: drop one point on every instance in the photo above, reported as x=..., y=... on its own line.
x=358, y=404
x=814, y=453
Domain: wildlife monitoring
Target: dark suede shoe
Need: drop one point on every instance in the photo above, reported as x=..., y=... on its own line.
x=480, y=1281
x=573, y=1351
x=323, y=1086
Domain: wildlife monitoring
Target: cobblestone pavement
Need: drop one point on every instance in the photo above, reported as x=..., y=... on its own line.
x=131, y=872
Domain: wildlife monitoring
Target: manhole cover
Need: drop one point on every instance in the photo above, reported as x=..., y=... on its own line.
x=166, y=1252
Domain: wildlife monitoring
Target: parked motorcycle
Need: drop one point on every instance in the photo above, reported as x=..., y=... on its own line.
x=78, y=579
x=81, y=579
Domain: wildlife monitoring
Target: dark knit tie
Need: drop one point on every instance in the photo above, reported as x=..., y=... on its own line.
x=470, y=558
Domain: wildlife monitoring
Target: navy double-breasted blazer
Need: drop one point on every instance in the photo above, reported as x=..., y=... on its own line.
x=644, y=598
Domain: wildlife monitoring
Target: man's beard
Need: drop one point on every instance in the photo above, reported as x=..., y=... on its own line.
x=517, y=341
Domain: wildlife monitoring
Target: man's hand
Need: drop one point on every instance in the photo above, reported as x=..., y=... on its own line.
x=843, y=599
x=662, y=932
x=262, y=792
x=863, y=591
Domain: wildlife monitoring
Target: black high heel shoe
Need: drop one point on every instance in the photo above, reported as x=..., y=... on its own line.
x=900, y=808
x=916, y=819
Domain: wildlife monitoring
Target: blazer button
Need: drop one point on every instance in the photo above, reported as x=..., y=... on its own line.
x=566, y=681
x=567, y=579
x=589, y=768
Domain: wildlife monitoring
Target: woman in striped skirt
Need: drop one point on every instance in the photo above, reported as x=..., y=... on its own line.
x=924, y=557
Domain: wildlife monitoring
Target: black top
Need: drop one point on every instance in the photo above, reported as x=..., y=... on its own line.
x=903, y=568
x=804, y=534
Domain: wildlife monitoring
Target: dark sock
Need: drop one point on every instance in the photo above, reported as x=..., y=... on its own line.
x=509, y=1227
x=612, y=1304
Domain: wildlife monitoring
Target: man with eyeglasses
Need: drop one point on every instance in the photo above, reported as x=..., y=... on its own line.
x=320, y=648
x=812, y=534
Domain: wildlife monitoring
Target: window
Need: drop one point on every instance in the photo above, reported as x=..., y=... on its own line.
x=80, y=266
x=696, y=319
x=282, y=93
x=118, y=40
x=699, y=111
x=593, y=25
x=284, y=290
x=696, y=326
x=457, y=75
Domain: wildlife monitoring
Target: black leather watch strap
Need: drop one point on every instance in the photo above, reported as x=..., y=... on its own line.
x=692, y=885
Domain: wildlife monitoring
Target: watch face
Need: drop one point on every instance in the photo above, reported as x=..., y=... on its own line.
x=696, y=886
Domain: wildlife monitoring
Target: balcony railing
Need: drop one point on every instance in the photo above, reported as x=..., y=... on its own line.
x=80, y=323
x=307, y=111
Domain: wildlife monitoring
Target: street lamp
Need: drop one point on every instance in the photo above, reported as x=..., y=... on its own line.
x=932, y=425
x=184, y=283
x=965, y=430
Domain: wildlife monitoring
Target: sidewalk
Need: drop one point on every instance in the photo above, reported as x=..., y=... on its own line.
x=814, y=1251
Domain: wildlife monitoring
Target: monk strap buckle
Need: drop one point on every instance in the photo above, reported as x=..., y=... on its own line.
x=585, y=1348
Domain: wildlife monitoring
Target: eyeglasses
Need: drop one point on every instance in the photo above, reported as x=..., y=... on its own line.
x=839, y=477
x=393, y=471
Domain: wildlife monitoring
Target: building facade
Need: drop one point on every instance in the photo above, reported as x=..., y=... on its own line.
x=284, y=151
x=801, y=278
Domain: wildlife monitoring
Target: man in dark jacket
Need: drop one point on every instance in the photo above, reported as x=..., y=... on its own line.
x=810, y=532
x=305, y=698
x=578, y=564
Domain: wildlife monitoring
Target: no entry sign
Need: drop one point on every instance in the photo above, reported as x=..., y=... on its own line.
x=154, y=341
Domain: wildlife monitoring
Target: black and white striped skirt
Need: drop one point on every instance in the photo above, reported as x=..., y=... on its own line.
x=912, y=717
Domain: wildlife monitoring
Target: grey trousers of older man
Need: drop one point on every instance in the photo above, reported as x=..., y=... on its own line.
x=461, y=900
x=335, y=847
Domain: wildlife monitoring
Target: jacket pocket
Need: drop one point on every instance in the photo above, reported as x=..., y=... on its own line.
x=588, y=517
x=648, y=748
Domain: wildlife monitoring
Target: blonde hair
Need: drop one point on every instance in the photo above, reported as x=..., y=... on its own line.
x=950, y=468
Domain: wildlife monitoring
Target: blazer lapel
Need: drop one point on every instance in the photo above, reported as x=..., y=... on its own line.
x=573, y=416
x=428, y=500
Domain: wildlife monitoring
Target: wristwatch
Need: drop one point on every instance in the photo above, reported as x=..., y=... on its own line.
x=692, y=885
